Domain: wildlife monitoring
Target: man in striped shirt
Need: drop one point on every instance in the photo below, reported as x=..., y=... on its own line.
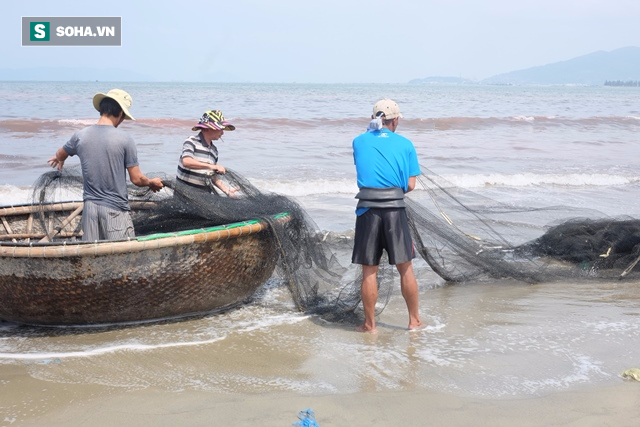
x=200, y=155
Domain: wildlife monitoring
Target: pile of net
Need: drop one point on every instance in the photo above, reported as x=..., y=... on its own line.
x=461, y=235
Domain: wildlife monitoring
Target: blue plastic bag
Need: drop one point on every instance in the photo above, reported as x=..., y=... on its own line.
x=307, y=419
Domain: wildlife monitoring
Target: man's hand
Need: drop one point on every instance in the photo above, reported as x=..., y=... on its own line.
x=55, y=163
x=155, y=184
x=218, y=169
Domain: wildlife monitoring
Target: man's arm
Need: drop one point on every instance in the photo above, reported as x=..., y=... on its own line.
x=139, y=179
x=57, y=161
x=191, y=163
x=224, y=187
x=412, y=183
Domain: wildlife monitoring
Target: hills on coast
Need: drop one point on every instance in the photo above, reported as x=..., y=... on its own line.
x=617, y=67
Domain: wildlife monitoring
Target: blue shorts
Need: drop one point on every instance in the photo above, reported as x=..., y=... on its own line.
x=382, y=228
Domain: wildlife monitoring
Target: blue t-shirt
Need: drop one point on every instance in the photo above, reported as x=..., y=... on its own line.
x=384, y=159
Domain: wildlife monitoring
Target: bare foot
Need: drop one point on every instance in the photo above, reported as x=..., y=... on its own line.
x=365, y=328
x=414, y=326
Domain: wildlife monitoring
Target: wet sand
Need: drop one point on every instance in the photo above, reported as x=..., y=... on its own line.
x=47, y=404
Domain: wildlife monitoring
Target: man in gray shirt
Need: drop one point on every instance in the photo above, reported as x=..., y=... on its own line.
x=105, y=154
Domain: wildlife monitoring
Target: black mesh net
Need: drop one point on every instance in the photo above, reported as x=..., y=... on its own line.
x=462, y=235
x=306, y=259
x=465, y=236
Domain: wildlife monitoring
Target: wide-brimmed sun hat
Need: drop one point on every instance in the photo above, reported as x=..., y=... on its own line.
x=213, y=119
x=121, y=97
x=387, y=107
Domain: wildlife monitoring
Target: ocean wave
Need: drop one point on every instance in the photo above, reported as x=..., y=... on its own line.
x=11, y=195
x=532, y=179
x=39, y=125
x=349, y=187
x=77, y=122
x=297, y=188
x=252, y=123
x=525, y=118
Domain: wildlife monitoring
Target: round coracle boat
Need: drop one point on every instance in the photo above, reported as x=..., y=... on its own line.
x=48, y=276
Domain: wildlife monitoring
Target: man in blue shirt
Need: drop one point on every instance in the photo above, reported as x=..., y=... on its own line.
x=386, y=166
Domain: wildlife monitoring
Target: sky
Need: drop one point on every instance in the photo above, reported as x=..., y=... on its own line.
x=332, y=41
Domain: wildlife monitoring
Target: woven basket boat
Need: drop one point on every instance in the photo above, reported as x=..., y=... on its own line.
x=49, y=277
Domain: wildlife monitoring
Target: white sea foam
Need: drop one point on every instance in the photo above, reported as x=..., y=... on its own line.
x=584, y=370
x=221, y=326
x=77, y=122
x=134, y=346
x=348, y=186
x=12, y=195
x=524, y=118
x=307, y=187
x=532, y=179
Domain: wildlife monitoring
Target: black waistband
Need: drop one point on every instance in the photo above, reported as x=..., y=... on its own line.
x=390, y=197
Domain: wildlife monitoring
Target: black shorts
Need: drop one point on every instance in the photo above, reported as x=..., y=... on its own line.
x=379, y=229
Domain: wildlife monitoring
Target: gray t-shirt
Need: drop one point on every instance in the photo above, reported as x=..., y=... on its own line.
x=105, y=153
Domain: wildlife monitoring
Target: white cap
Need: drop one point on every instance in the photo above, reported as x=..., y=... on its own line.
x=388, y=107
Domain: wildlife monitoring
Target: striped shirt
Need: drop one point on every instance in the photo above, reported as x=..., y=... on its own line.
x=196, y=147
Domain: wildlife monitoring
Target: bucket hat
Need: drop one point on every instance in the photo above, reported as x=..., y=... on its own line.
x=120, y=96
x=213, y=119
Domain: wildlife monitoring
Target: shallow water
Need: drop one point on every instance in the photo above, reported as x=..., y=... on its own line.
x=498, y=340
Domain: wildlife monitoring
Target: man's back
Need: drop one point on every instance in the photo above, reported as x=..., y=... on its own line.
x=384, y=159
x=105, y=154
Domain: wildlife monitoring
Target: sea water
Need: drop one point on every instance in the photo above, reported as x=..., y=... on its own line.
x=534, y=146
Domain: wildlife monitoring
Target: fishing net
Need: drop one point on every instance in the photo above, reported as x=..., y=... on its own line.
x=465, y=236
x=305, y=256
x=462, y=235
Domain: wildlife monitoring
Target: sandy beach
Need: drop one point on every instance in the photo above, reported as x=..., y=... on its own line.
x=45, y=404
x=499, y=354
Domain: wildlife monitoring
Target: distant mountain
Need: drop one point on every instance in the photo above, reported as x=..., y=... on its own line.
x=72, y=74
x=440, y=80
x=592, y=69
